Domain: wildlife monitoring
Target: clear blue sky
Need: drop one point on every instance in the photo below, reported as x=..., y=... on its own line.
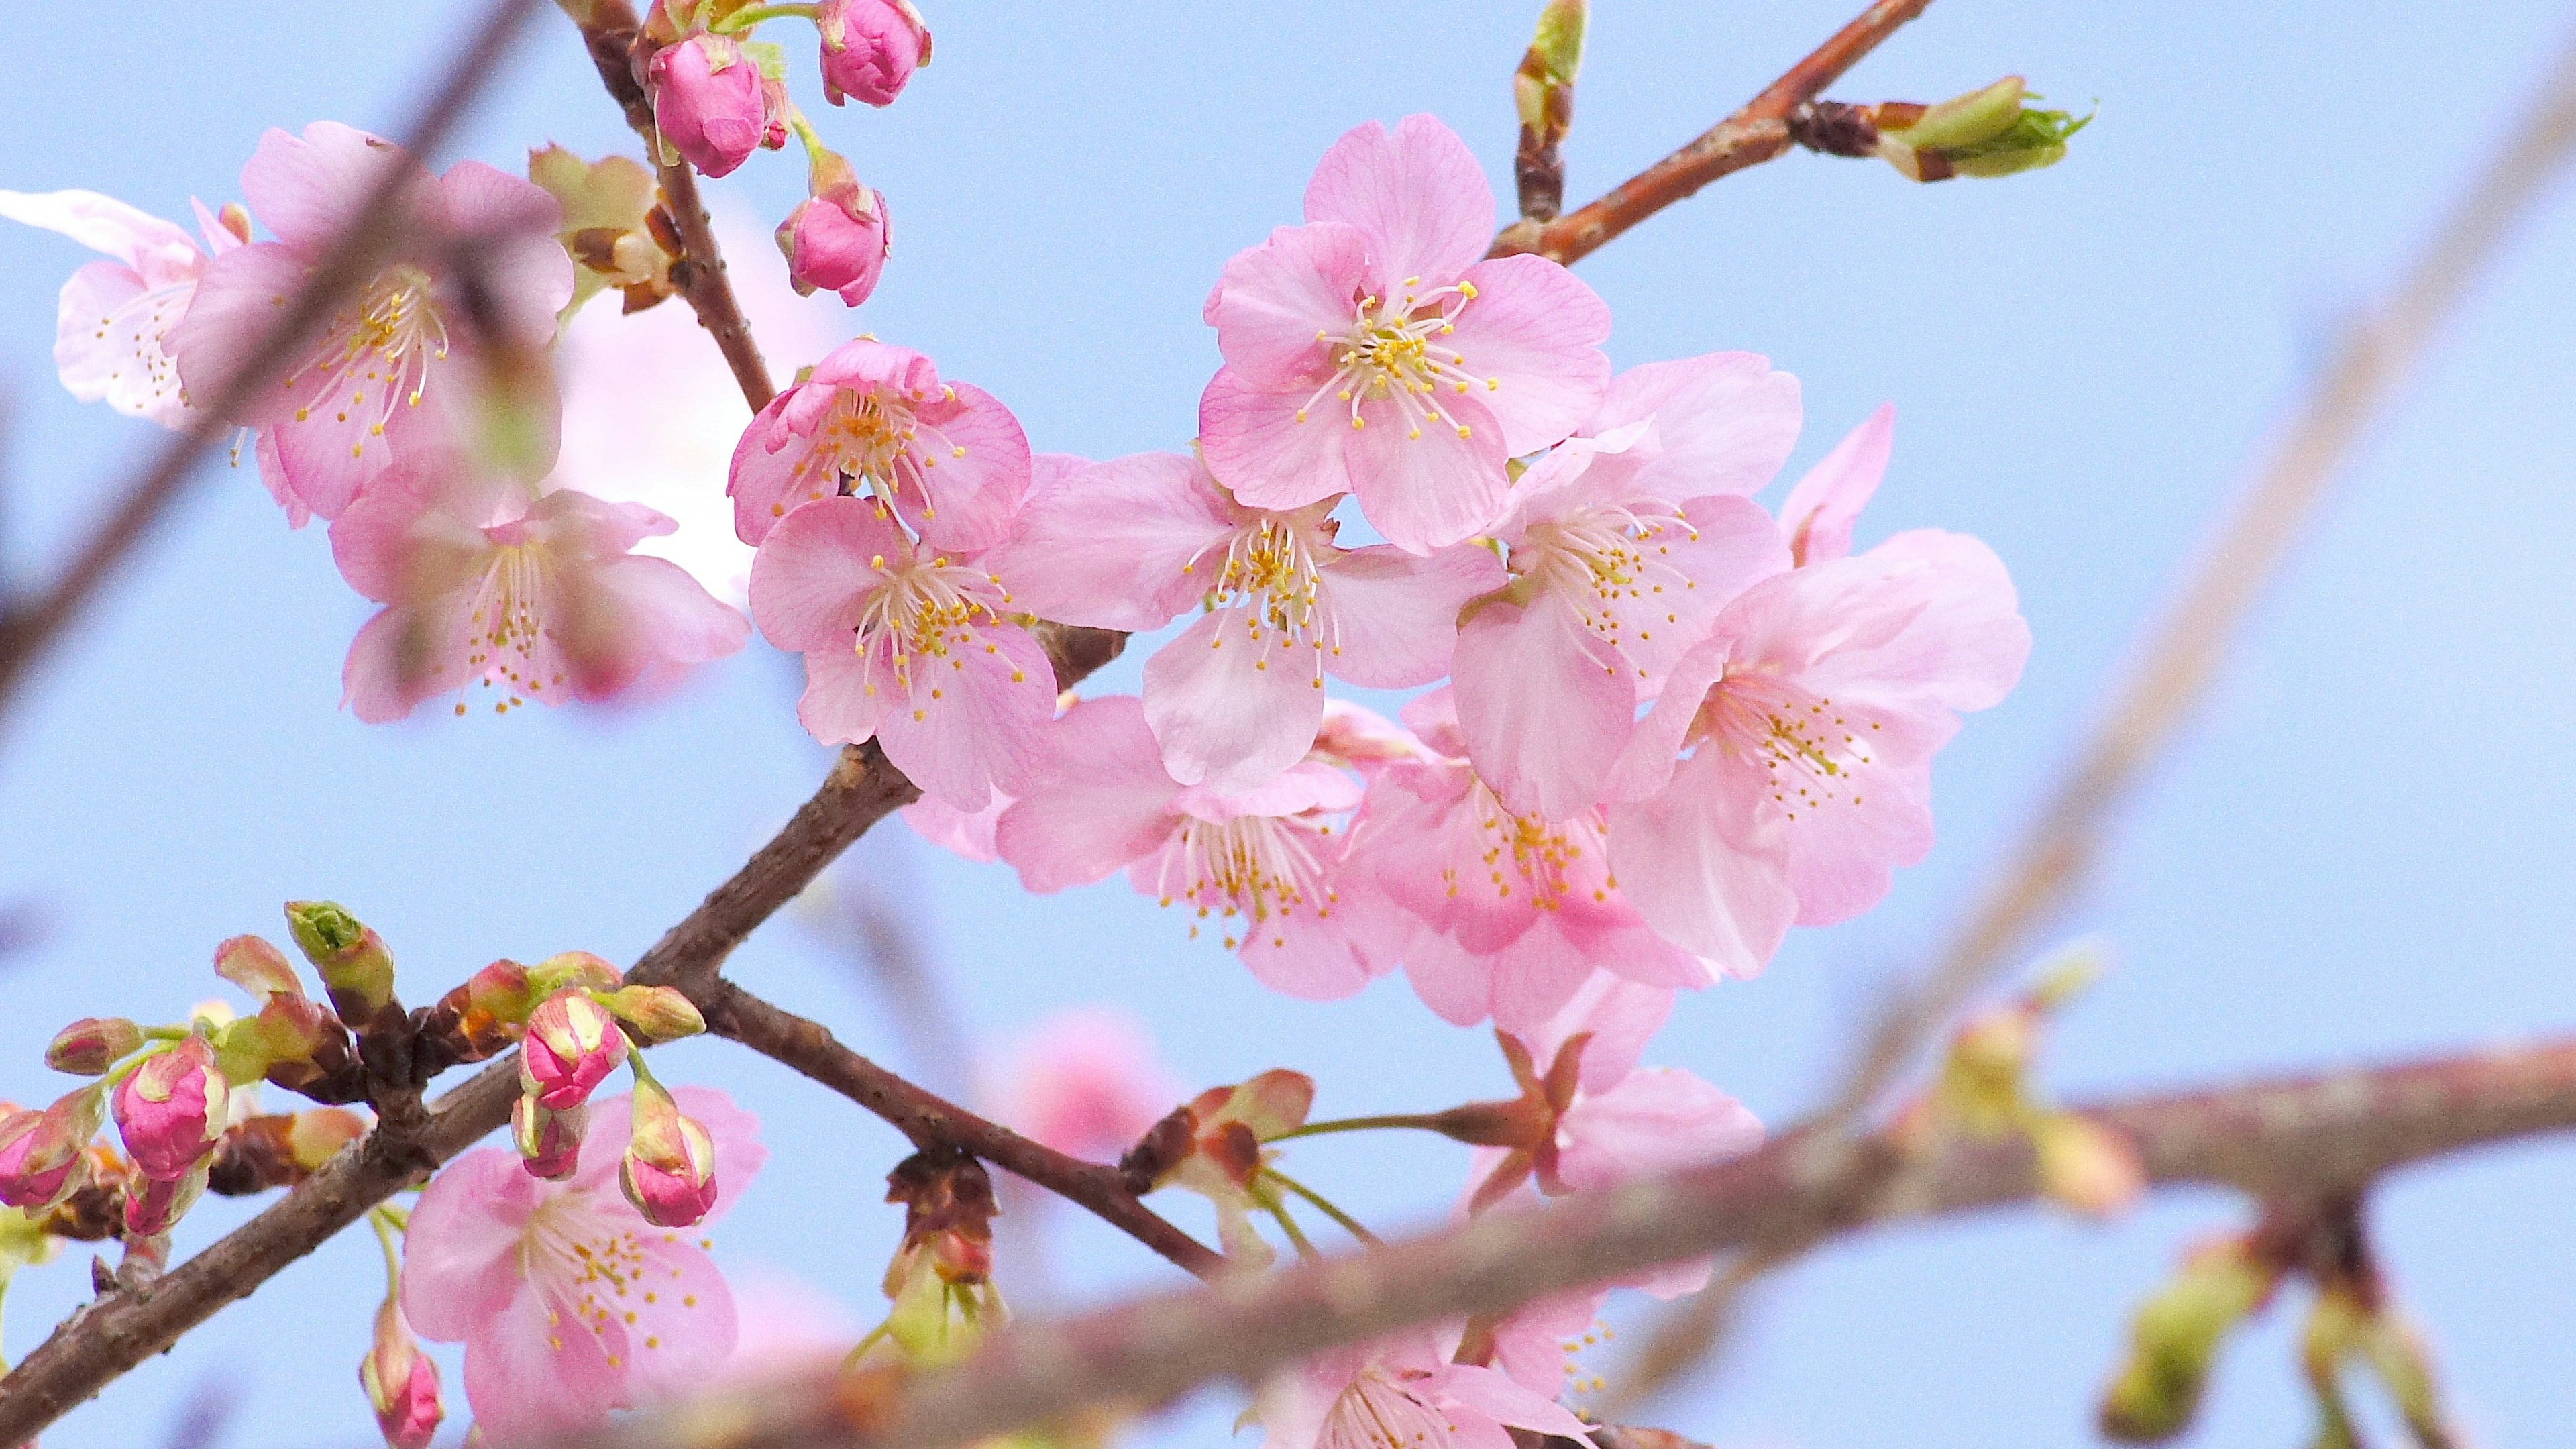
x=2360, y=851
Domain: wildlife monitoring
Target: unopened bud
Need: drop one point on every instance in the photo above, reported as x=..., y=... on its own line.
x=568, y=970
x=235, y=218
x=356, y=967
x=257, y=967
x=1542, y=88
x=171, y=1109
x=2086, y=1166
x=42, y=1157
x=154, y=1205
x=870, y=48
x=1987, y=132
x=482, y=1016
x=708, y=105
x=549, y=1142
x=669, y=1170
x=2405, y=1364
x=315, y=1137
x=571, y=1045
x=92, y=1044
x=657, y=1013
x=2173, y=1338
x=838, y=238
x=401, y=1382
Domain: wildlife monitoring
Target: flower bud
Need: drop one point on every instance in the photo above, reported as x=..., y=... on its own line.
x=2173, y=1338
x=315, y=1137
x=1543, y=87
x=571, y=1045
x=41, y=1153
x=657, y=1013
x=837, y=239
x=170, y=1110
x=356, y=967
x=567, y=969
x=401, y=1382
x=669, y=1170
x=482, y=1017
x=1987, y=132
x=92, y=1044
x=154, y=1205
x=708, y=102
x=549, y=1142
x=870, y=48
x=2086, y=1166
x=256, y=967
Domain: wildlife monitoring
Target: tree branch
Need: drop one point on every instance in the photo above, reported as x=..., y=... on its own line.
x=2304, y=1138
x=29, y=627
x=1753, y=135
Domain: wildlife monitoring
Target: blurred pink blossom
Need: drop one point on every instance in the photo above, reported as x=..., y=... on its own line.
x=115, y=316
x=1087, y=1082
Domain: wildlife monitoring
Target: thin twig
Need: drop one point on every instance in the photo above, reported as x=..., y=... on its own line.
x=2306, y=1138
x=1753, y=135
x=28, y=629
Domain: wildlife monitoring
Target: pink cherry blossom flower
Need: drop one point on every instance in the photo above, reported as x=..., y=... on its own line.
x=116, y=315
x=1374, y=351
x=969, y=833
x=1516, y=910
x=1811, y=712
x=1130, y=543
x=537, y=596
x=569, y=1304
x=947, y=457
x=1819, y=513
x=708, y=102
x=1087, y=1082
x=870, y=48
x=1402, y=1392
x=374, y=385
x=1258, y=862
x=1624, y=541
x=906, y=646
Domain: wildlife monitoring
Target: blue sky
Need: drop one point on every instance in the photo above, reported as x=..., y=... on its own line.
x=2357, y=853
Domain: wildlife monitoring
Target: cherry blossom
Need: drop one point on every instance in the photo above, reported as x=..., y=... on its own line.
x=568, y=1302
x=906, y=646
x=1130, y=543
x=374, y=385
x=539, y=597
x=1085, y=1082
x=1402, y=1392
x=116, y=316
x=1374, y=351
x=1624, y=541
x=709, y=105
x=1257, y=862
x=1819, y=513
x=1514, y=910
x=1811, y=713
x=870, y=48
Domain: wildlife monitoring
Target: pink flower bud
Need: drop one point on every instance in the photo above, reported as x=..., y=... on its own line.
x=549, y=1142
x=870, y=48
x=401, y=1383
x=837, y=239
x=657, y=1014
x=669, y=1170
x=572, y=1044
x=92, y=1044
x=171, y=1109
x=257, y=967
x=41, y=1157
x=708, y=102
x=154, y=1205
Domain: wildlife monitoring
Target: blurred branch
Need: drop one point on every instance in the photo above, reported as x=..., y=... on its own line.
x=2179, y=657
x=124, y=1326
x=1755, y=134
x=2308, y=1138
x=620, y=51
x=28, y=627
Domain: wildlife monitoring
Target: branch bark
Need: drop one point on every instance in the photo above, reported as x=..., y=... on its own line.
x=1754, y=134
x=28, y=628
x=2306, y=1138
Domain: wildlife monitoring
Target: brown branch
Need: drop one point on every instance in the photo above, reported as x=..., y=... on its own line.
x=1751, y=136
x=2305, y=1138
x=30, y=627
x=620, y=50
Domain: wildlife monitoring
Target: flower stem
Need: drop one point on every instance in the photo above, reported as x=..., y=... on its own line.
x=1349, y=1224
x=382, y=1220
x=751, y=15
x=1422, y=1120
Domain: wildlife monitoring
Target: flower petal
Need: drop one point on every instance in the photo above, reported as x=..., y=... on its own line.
x=1393, y=616
x=1819, y=513
x=1545, y=704
x=1113, y=545
x=1417, y=193
x=1704, y=865
x=1535, y=332
x=1724, y=422
x=461, y=1255
x=1233, y=700
x=1259, y=444
x=815, y=569
x=975, y=469
x=1097, y=799
x=1429, y=486
x=974, y=716
x=1275, y=302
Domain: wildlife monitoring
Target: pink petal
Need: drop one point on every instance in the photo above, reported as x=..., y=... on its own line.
x=666, y=613
x=814, y=569
x=1535, y=975
x=1097, y=799
x=1418, y=195
x=1724, y=422
x=969, y=833
x=1819, y=513
x=1653, y=1122
x=238, y=298
x=533, y=1371
x=1106, y=545
x=1257, y=444
x=1842, y=854
x=143, y=242
x=406, y=654
x=975, y=470
x=1233, y=701
x=1620, y=1016
x=1456, y=983
x=1736, y=547
x=1545, y=705
x=1303, y=955
x=972, y=727
x=460, y=1258
x=1493, y=1393
x=773, y=468
x=844, y=702
x=524, y=269
x=1309, y=785
x=1704, y=867
x=305, y=189
x=1276, y=300
x=1394, y=616
x=1536, y=330
x=1529, y=1342
x=1646, y=762
x=1967, y=648
x=110, y=336
x=1428, y=487
x=684, y=1338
